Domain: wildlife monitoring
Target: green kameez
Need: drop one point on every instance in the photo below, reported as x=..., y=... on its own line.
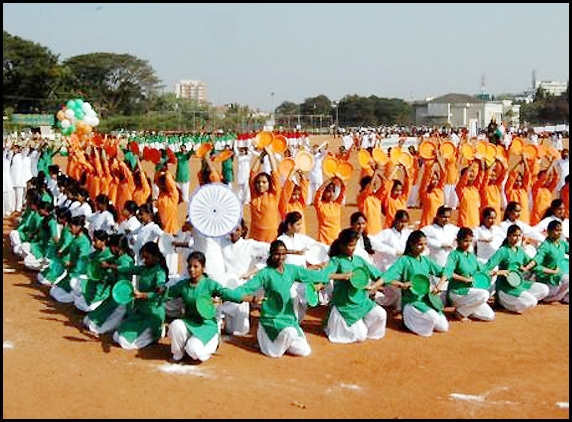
x=511, y=259
x=463, y=263
x=550, y=254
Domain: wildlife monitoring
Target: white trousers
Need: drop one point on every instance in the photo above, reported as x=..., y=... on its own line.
x=474, y=304
x=8, y=202
x=289, y=340
x=527, y=300
x=185, y=189
x=110, y=324
x=182, y=341
x=424, y=323
x=18, y=199
x=558, y=292
x=236, y=318
x=371, y=326
x=145, y=339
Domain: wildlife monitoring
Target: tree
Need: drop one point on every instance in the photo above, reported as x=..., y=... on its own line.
x=114, y=83
x=30, y=74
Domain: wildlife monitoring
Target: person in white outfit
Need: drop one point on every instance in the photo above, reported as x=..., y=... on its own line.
x=316, y=176
x=243, y=159
x=441, y=239
x=242, y=259
x=149, y=231
x=18, y=176
x=389, y=245
x=7, y=185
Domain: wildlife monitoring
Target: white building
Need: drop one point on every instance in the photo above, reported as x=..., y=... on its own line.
x=192, y=90
x=555, y=88
x=461, y=110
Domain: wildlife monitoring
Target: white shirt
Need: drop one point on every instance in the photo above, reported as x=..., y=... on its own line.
x=485, y=250
x=101, y=220
x=243, y=168
x=17, y=171
x=297, y=242
x=527, y=230
x=241, y=256
x=563, y=169
x=127, y=227
x=542, y=226
x=6, y=174
x=438, y=238
x=78, y=208
x=388, y=243
x=212, y=249
x=149, y=232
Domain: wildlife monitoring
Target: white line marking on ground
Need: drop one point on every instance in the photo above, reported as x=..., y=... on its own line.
x=562, y=404
x=9, y=270
x=468, y=397
x=180, y=368
x=8, y=344
x=350, y=386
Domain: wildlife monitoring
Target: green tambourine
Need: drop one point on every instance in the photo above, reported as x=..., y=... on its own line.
x=123, y=292
x=359, y=278
x=435, y=301
x=481, y=280
x=311, y=295
x=514, y=278
x=273, y=302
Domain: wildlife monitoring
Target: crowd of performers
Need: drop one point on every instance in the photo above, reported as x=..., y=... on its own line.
x=104, y=221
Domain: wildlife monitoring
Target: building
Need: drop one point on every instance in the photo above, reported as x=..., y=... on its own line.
x=554, y=88
x=192, y=90
x=461, y=110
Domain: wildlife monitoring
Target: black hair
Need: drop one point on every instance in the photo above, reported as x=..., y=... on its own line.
x=197, y=256
x=290, y=218
x=510, y=208
x=512, y=229
x=366, y=242
x=414, y=237
x=100, y=235
x=131, y=206
x=553, y=205
x=553, y=225
x=463, y=233
x=441, y=211
x=153, y=249
x=486, y=213
x=344, y=237
x=273, y=248
x=399, y=215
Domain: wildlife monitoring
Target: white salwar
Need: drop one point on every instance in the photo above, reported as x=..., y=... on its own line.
x=288, y=340
x=149, y=232
x=7, y=186
x=371, y=326
x=526, y=300
x=17, y=174
x=145, y=339
x=473, y=304
x=558, y=292
x=182, y=341
x=424, y=323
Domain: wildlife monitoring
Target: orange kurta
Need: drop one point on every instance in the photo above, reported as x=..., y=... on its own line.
x=285, y=205
x=392, y=205
x=491, y=193
x=264, y=213
x=430, y=200
x=167, y=205
x=542, y=194
x=369, y=203
x=124, y=189
x=469, y=201
x=519, y=195
x=329, y=215
x=565, y=196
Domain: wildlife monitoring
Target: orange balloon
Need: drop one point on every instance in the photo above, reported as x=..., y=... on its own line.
x=61, y=115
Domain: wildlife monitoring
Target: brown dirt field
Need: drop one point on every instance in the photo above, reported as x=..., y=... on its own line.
x=514, y=367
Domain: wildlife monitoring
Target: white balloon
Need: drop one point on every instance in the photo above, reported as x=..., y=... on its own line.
x=91, y=112
x=95, y=121
x=86, y=107
x=65, y=123
x=69, y=113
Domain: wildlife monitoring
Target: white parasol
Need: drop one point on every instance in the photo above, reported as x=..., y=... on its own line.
x=214, y=210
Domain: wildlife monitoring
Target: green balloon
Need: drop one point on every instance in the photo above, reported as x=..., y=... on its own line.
x=71, y=104
x=79, y=114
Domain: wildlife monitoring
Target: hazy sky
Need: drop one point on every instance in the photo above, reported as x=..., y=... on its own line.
x=245, y=52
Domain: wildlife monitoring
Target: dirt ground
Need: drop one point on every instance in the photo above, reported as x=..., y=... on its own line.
x=514, y=367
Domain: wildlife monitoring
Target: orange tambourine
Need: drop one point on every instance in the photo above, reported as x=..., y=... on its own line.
x=481, y=149
x=395, y=154
x=304, y=160
x=379, y=155
x=530, y=151
x=406, y=160
x=553, y=152
x=516, y=146
x=263, y=139
x=491, y=152
x=225, y=154
x=345, y=170
x=501, y=152
x=468, y=152
x=285, y=166
x=203, y=149
x=447, y=149
x=427, y=150
x=330, y=165
x=363, y=158
x=279, y=143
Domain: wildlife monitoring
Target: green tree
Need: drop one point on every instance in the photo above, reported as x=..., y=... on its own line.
x=30, y=75
x=114, y=83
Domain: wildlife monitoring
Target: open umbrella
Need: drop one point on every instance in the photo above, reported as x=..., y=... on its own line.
x=214, y=210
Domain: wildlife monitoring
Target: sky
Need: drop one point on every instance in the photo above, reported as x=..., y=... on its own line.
x=262, y=55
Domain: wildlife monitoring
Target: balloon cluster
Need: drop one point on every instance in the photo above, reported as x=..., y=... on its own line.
x=77, y=116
